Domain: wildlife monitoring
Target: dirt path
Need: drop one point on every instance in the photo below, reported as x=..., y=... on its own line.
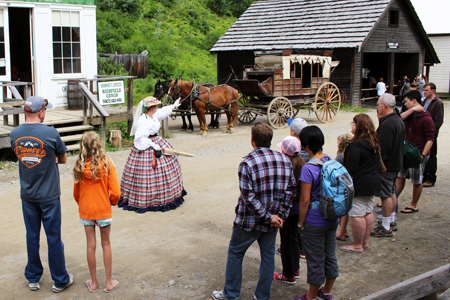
x=181, y=254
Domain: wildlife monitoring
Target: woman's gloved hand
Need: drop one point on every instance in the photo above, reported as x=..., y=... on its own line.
x=158, y=153
x=177, y=103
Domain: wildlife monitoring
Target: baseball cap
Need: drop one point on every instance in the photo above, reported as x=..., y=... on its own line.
x=297, y=125
x=34, y=104
x=290, y=145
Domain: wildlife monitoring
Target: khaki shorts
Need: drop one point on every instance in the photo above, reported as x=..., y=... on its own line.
x=362, y=205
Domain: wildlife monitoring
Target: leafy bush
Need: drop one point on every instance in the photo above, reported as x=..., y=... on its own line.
x=108, y=67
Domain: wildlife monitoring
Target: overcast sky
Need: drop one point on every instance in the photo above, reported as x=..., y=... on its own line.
x=434, y=15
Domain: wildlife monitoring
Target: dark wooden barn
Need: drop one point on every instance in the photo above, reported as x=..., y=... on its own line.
x=379, y=38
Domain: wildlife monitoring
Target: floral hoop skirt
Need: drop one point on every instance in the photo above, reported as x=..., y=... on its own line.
x=147, y=189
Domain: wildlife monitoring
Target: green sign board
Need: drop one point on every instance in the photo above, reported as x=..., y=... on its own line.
x=111, y=92
x=73, y=2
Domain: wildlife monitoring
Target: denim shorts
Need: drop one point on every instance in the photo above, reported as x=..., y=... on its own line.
x=99, y=223
x=388, y=181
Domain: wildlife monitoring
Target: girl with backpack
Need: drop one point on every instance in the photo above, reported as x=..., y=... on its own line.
x=318, y=235
x=360, y=160
x=342, y=141
x=289, y=233
x=96, y=189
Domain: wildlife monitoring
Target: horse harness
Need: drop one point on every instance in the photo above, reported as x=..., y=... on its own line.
x=195, y=95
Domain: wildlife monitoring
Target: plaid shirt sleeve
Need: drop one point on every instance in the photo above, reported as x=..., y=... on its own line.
x=248, y=195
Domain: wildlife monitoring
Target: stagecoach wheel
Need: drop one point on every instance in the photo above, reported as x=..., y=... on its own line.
x=343, y=96
x=279, y=110
x=328, y=102
x=295, y=110
x=245, y=116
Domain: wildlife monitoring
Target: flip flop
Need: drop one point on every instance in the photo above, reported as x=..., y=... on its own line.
x=409, y=210
x=379, y=211
x=88, y=284
x=379, y=205
x=349, y=250
x=367, y=248
x=342, y=240
x=114, y=287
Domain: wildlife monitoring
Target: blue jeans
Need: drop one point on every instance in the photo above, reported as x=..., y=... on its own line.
x=241, y=240
x=49, y=213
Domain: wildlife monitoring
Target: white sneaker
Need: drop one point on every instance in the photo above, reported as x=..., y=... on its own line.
x=218, y=295
x=33, y=286
x=59, y=290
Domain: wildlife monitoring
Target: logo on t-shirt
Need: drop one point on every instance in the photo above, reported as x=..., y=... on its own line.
x=30, y=151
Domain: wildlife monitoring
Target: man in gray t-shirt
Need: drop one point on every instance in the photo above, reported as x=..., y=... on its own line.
x=39, y=149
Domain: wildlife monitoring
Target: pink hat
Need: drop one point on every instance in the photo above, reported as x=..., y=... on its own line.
x=290, y=145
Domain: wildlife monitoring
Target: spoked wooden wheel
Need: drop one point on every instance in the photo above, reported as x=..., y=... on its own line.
x=328, y=102
x=343, y=96
x=295, y=110
x=279, y=110
x=245, y=116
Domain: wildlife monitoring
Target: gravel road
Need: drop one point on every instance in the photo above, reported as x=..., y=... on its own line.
x=181, y=254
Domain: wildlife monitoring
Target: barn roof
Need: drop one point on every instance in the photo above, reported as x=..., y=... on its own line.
x=302, y=24
x=308, y=24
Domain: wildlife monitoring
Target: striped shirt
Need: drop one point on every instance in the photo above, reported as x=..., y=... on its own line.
x=266, y=182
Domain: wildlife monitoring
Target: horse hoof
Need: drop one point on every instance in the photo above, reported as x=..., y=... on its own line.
x=231, y=131
x=204, y=134
x=183, y=129
x=189, y=130
x=225, y=131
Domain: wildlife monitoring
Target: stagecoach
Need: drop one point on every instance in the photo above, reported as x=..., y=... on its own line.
x=279, y=85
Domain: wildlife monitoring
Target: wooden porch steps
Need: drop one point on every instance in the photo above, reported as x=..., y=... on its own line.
x=73, y=147
x=73, y=135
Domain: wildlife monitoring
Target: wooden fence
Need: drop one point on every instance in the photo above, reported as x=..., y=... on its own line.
x=135, y=64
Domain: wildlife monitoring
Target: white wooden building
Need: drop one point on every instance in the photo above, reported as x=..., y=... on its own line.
x=440, y=73
x=47, y=43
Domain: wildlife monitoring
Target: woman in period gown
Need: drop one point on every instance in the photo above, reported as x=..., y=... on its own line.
x=144, y=188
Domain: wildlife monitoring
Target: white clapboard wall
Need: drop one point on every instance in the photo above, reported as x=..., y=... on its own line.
x=440, y=73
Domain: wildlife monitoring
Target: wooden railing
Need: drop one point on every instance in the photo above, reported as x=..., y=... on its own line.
x=424, y=286
x=90, y=97
x=12, y=106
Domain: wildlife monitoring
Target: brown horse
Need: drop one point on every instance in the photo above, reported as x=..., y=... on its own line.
x=203, y=98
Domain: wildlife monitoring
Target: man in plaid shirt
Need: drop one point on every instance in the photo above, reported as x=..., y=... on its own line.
x=266, y=181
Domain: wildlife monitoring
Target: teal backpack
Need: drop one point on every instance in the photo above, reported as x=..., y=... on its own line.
x=336, y=189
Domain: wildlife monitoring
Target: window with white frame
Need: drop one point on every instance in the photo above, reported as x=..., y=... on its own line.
x=66, y=42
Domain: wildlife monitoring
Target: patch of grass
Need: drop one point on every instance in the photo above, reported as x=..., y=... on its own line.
x=404, y=275
x=346, y=107
x=127, y=140
x=6, y=165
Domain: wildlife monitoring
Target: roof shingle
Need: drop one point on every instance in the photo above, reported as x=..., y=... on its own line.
x=302, y=24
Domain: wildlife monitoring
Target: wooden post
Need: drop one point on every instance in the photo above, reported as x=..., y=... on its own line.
x=5, y=95
x=424, y=285
x=115, y=138
x=91, y=108
x=391, y=73
x=103, y=130
x=130, y=104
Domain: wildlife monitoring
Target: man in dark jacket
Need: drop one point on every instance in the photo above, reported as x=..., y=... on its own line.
x=391, y=134
x=420, y=132
x=433, y=104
